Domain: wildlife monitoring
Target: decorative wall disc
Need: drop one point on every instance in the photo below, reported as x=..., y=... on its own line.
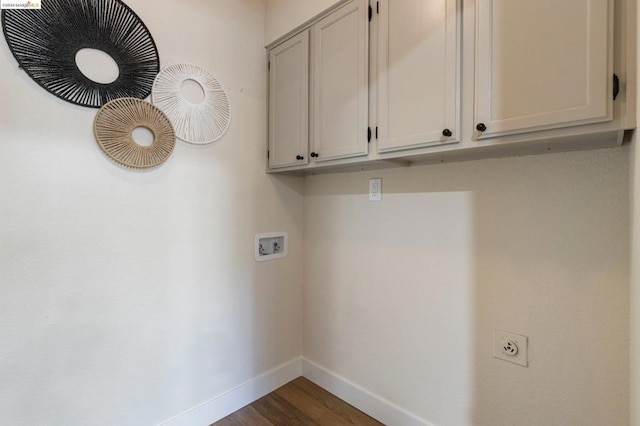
x=114, y=125
x=200, y=123
x=45, y=43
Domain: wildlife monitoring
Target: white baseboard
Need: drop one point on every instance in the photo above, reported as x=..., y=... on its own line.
x=222, y=405
x=374, y=405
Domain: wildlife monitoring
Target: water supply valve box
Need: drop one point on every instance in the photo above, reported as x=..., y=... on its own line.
x=271, y=246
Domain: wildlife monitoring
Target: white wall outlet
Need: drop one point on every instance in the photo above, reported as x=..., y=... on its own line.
x=375, y=189
x=510, y=347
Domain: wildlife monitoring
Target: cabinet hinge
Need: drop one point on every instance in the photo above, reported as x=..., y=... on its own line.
x=370, y=13
x=368, y=134
x=616, y=86
x=268, y=153
x=378, y=7
x=269, y=66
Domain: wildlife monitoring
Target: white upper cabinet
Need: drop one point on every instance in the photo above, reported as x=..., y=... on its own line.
x=289, y=102
x=340, y=83
x=450, y=80
x=542, y=64
x=418, y=73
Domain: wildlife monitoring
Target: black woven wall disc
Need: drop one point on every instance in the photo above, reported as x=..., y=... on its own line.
x=45, y=43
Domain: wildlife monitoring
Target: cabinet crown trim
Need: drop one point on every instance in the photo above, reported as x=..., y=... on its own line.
x=307, y=24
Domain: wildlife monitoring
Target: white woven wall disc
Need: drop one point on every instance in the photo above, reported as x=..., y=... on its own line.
x=196, y=123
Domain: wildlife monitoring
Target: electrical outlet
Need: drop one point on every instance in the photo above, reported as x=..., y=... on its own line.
x=510, y=347
x=375, y=189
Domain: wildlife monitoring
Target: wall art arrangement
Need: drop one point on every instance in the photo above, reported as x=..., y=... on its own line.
x=45, y=43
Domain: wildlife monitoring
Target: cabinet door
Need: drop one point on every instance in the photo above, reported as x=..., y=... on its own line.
x=542, y=64
x=289, y=102
x=418, y=63
x=340, y=83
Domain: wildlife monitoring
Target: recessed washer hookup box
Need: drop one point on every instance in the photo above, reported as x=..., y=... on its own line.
x=270, y=246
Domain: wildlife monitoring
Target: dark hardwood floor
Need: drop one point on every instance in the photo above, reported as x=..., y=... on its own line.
x=299, y=402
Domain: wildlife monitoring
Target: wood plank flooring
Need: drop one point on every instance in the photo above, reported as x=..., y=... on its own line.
x=299, y=402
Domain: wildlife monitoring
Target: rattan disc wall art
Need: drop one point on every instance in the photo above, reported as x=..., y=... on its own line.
x=114, y=125
x=45, y=43
x=196, y=123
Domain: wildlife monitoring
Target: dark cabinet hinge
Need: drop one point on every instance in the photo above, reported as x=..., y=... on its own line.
x=269, y=65
x=370, y=13
x=378, y=7
x=616, y=86
x=268, y=153
x=368, y=134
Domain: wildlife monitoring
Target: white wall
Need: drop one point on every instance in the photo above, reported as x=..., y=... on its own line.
x=401, y=296
x=128, y=297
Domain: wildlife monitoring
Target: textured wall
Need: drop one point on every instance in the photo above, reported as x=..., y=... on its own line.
x=129, y=297
x=401, y=296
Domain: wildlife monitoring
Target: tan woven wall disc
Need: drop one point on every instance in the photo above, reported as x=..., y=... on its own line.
x=114, y=125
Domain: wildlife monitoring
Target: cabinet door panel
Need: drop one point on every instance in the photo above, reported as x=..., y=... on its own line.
x=340, y=79
x=418, y=61
x=289, y=102
x=542, y=64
